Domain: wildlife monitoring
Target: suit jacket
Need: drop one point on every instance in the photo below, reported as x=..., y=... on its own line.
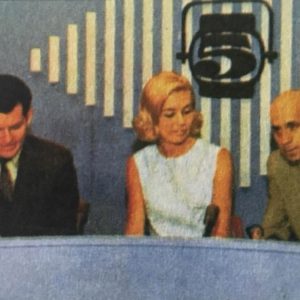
x=282, y=215
x=46, y=197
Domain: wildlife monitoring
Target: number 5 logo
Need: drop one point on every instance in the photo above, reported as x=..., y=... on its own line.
x=226, y=56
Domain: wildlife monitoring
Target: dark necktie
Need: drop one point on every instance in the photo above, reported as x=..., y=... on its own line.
x=6, y=186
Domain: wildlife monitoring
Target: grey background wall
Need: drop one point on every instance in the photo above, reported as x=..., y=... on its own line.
x=101, y=144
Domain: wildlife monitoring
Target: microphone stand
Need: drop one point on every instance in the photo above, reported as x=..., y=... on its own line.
x=210, y=218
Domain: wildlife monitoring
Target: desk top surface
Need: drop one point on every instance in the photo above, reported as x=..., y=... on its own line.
x=115, y=241
x=102, y=267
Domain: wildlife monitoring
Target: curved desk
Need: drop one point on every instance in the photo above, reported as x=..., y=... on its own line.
x=97, y=267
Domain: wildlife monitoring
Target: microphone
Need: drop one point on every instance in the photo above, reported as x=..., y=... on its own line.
x=210, y=219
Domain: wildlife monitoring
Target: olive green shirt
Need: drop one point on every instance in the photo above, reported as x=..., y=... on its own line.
x=282, y=215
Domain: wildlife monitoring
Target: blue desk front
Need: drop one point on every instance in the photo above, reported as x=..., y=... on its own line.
x=94, y=267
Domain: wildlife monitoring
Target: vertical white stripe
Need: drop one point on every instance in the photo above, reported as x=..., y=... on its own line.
x=248, y=8
x=90, y=59
x=286, y=45
x=265, y=98
x=245, y=146
x=109, y=58
x=167, y=35
x=54, y=63
x=128, y=59
x=206, y=102
x=147, y=40
x=206, y=112
x=207, y=9
x=225, y=122
x=227, y=8
x=185, y=69
x=72, y=59
x=245, y=132
x=35, y=64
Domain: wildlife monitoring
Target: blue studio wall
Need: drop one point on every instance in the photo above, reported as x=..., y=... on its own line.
x=134, y=39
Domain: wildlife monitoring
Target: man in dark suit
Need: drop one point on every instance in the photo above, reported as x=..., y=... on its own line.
x=38, y=183
x=282, y=215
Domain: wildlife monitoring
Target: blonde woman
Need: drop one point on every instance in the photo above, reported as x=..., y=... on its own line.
x=171, y=182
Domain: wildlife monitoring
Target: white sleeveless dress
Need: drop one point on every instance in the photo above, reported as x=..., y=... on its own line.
x=177, y=190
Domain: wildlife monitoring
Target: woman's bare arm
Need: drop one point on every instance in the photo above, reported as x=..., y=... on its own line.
x=222, y=193
x=135, y=206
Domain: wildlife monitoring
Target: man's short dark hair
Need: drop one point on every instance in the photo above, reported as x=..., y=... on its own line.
x=14, y=91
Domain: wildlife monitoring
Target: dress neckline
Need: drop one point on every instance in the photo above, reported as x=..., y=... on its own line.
x=179, y=156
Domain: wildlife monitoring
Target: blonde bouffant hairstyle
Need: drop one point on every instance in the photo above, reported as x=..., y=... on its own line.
x=156, y=91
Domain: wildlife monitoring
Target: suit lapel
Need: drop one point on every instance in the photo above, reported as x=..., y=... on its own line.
x=290, y=183
x=26, y=168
